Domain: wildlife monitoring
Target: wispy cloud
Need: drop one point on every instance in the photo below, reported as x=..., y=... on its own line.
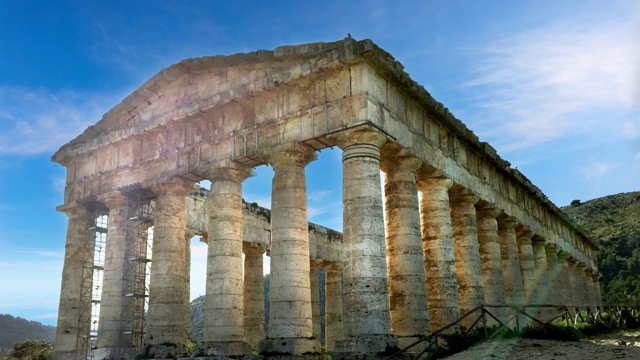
x=313, y=211
x=537, y=86
x=53, y=254
x=319, y=195
x=34, y=121
x=595, y=169
x=630, y=130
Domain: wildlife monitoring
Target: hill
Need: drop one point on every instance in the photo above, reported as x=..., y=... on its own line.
x=613, y=222
x=14, y=329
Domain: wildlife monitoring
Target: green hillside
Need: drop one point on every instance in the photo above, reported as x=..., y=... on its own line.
x=14, y=329
x=614, y=223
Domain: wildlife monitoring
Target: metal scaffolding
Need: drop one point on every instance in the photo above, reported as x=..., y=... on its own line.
x=91, y=278
x=137, y=269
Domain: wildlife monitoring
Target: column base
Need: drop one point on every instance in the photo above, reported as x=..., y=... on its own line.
x=165, y=351
x=223, y=349
x=403, y=342
x=105, y=353
x=66, y=355
x=290, y=348
x=366, y=347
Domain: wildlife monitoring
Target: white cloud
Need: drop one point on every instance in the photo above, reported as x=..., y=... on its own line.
x=320, y=195
x=34, y=121
x=536, y=86
x=630, y=130
x=53, y=254
x=313, y=211
x=596, y=169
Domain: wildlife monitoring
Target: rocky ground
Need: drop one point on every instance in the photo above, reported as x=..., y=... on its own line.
x=618, y=345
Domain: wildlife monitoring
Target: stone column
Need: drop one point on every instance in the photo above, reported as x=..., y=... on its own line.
x=333, y=329
x=566, y=288
x=405, y=263
x=69, y=312
x=590, y=289
x=527, y=265
x=253, y=294
x=166, y=330
x=513, y=285
x=367, y=324
x=467, y=253
x=543, y=286
x=315, y=299
x=223, y=332
x=491, y=262
x=555, y=294
x=598, y=291
x=583, y=290
x=112, y=304
x=576, y=285
x=439, y=257
x=290, y=316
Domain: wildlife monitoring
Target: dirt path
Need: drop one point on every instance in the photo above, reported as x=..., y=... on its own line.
x=619, y=345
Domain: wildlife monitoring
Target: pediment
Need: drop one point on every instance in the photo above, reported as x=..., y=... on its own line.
x=195, y=85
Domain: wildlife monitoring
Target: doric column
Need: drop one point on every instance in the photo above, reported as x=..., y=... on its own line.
x=598, y=291
x=315, y=298
x=70, y=325
x=513, y=284
x=333, y=329
x=405, y=263
x=564, y=284
x=290, y=315
x=583, y=291
x=439, y=257
x=491, y=261
x=467, y=252
x=112, y=304
x=166, y=330
x=590, y=289
x=223, y=331
x=555, y=291
x=367, y=325
x=527, y=265
x=576, y=285
x=253, y=294
x=543, y=285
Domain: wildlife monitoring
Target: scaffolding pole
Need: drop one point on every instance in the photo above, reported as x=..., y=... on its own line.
x=137, y=268
x=91, y=277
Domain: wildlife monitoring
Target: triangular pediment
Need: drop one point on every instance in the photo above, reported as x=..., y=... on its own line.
x=195, y=85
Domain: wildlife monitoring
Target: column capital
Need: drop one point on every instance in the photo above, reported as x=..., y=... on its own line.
x=488, y=210
x=228, y=170
x=551, y=246
x=250, y=248
x=433, y=182
x=296, y=155
x=538, y=240
x=400, y=163
x=360, y=136
x=563, y=256
x=330, y=267
x=113, y=199
x=173, y=186
x=506, y=222
x=460, y=195
x=523, y=233
x=74, y=210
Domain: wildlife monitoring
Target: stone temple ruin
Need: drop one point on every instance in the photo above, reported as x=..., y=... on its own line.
x=479, y=233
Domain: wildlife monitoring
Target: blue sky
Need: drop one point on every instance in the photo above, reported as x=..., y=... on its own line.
x=552, y=85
